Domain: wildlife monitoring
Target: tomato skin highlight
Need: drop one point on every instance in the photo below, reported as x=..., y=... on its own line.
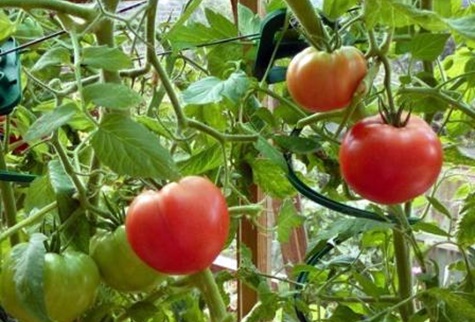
x=320, y=81
x=390, y=165
x=119, y=266
x=70, y=284
x=180, y=229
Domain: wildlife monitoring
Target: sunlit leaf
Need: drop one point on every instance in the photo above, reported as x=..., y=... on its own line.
x=287, y=220
x=128, y=148
x=111, y=59
x=114, y=96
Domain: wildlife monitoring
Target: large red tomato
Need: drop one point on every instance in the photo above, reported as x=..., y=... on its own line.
x=320, y=81
x=388, y=164
x=180, y=229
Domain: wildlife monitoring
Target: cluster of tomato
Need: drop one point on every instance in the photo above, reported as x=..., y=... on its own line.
x=382, y=162
x=178, y=230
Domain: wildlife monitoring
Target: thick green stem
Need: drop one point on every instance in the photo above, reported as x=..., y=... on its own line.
x=8, y=198
x=404, y=268
x=105, y=37
x=66, y=7
x=206, y=283
x=428, y=65
x=310, y=22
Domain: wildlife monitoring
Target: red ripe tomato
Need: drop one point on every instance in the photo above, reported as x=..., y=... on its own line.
x=180, y=229
x=388, y=164
x=320, y=81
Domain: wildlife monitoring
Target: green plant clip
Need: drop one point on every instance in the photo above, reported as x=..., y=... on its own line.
x=291, y=43
x=10, y=95
x=10, y=77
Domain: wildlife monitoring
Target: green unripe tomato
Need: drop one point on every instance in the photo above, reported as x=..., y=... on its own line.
x=70, y=282
x=118, y=264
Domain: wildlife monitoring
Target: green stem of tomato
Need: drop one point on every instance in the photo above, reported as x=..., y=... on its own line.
x=8, y=199
x=73, y=9
x=403, y=266
x=28, y=221
x=310, y=22
x=206, y=283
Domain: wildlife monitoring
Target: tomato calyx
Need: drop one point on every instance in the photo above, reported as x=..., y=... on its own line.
x=396, y=118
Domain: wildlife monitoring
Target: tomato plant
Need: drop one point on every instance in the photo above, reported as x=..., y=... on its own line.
x=388, y=164
x=118, y=264
x=70, y=283
x=180, y=229
x=321, y=81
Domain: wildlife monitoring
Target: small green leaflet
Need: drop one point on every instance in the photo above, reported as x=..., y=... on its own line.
x=114, y=96
x=55, y=56
x=7, y=28
x=428, y=46
x=287, y=220
x=272, y=179
x=110, y=59
x=28, y=260
x=51, y=121
x=213, y=90
x=466, y=225
x=461, y=305
x=208, y=159
x=129, y=148
x=464, y=26
x=335, y=8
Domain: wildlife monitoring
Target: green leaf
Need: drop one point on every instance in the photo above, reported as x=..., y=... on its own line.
x=349, y=227
x=39, y=194
x=28, y=265
x=128, y=148
x=7, y=28
x=213, y=90
x=114, y=96
x=397, y=14
x=431, y=228
x=296, y=144
x=368, y=286
x=345, y=314
x=210, y=158
x=51, y=121
x=336, y=8
x=272, y=179
x=218, y=66
x=184, y=17
x=287, y=220
x=427, y=46
x=56, y=56
x=271, y=153
x=249, y=22
x=456, y=303
x=447, y=8
x=439, y=206
x=464, y=26
x=221, y=24
x=110, y=59
x=466, y=225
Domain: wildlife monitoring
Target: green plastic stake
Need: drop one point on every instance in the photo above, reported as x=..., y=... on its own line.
x=10, y=84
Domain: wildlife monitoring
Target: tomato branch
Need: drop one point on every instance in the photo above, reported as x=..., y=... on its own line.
x=65, y=7
x=35, y=217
